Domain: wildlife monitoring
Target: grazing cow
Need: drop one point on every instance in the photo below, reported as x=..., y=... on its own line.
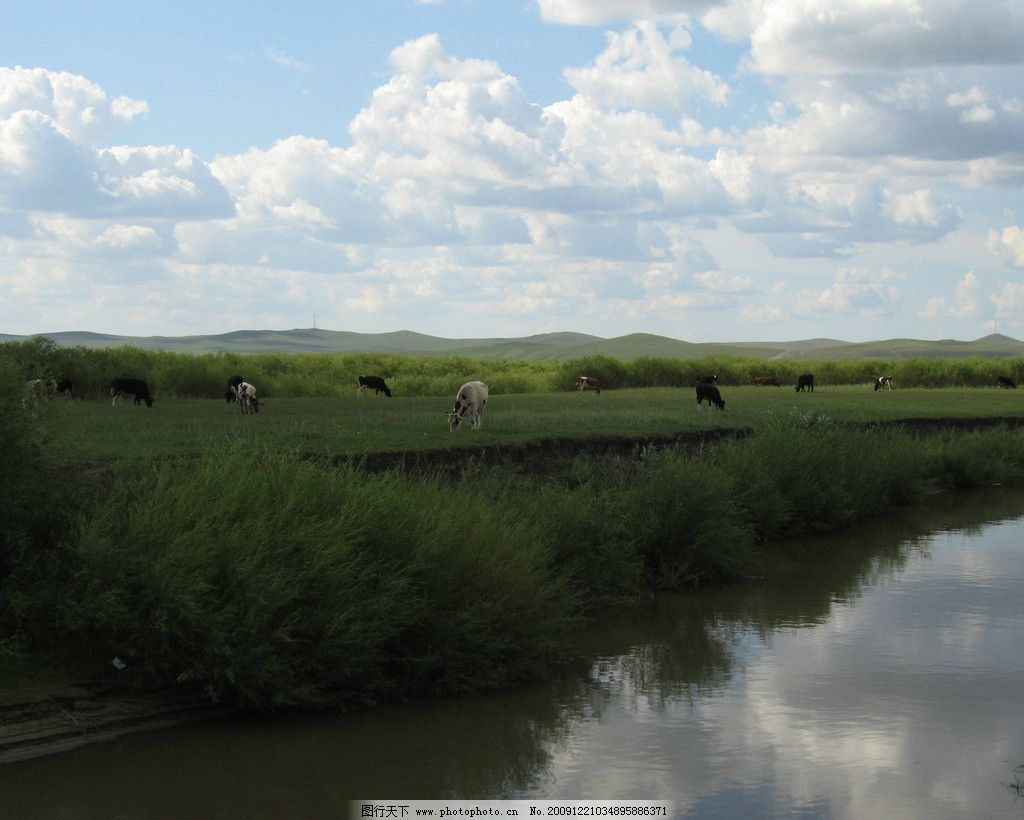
x=469, y=401
x=232, y=392
x=805, y=382
x=707, y=379
x=766, y=381
x=65, y=385
x=1006, y=381
x=884, y=381
x=374, y=383
x=588, y=383
x=709, y=393
x=247, y=398
x=137, y=388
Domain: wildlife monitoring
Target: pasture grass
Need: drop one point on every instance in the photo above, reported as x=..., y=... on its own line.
x=237, y=553
x=96, y=432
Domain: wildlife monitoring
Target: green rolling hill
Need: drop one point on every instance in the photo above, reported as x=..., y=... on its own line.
x=547, y=346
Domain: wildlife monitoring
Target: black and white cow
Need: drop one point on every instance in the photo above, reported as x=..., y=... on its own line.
x=588, y=383
x=884, y=381
x=137, y=388
x=374, y=383
x=231, y=394
x=710, y=394
x=713, y=379
x=805, y=382
x=64, y=385
x=1006, y=381
x=469, y=401
x=247, y=398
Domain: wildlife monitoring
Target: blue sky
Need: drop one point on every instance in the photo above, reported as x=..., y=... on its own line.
x=718, y=170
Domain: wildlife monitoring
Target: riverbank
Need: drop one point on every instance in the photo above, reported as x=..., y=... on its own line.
x=267, y=581
x=50, y=718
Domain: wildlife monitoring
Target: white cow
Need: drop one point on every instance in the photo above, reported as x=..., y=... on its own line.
x=247, y=398
x=469, y=401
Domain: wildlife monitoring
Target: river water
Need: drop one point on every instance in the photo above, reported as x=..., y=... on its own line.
x=877, y=674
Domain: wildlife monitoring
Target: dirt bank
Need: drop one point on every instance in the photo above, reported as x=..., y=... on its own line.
x=45, y=719
x=538, y=454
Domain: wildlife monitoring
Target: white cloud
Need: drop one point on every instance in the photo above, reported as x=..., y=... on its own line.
x=640, y=68
x=49, y=122
x=1009, y=303
x=854, y=291
x=973, y=105
x=455, y=188
x=285, y=61
x=822, y=37
x=966, y=301
x=78, y=109
x=598, y=12
x=1008, y=245
x=916, y=209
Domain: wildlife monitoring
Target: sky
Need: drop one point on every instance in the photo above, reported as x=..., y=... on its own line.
x=709, y=170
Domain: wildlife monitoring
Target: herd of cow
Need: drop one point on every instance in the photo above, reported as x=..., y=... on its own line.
x=470, y=401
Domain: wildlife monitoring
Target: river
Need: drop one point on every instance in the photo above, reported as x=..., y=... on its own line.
x=874, y=674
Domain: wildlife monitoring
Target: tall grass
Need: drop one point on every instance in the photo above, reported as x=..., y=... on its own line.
x=275, y=582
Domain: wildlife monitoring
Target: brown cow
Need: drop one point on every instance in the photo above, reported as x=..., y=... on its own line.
x=588, y=383
x=766, y=381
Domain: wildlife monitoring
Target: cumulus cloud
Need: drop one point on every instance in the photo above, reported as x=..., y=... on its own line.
x=49, y=122
x=77, y=108
x=1008, y=245
x=966, y=302
x=854, y=291
x=1009, y=302
x=641, y=68
x=455, y=187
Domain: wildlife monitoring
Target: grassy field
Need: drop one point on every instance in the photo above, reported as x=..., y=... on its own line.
x=95, y=432
x=271, y=579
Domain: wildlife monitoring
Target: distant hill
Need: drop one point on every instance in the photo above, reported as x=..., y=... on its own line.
x=556, y=346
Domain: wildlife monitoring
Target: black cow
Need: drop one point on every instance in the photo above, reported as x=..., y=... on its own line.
x=232, y=392
x=805, y=381
x=130, y=387
x=709, y=393
x=64, y=385
x=884, y=381
x=1006, y=381
x=374, y=383
x=707, y=379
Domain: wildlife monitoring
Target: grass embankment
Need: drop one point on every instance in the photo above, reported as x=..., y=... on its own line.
x=272, y=579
